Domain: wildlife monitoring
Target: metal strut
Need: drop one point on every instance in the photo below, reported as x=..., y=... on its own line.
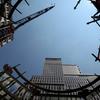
x=77, y=4
x=25, y=20
x=14, y=8
x=95, y=19
x=27, y=2
x=2, y=8
x=7, y=30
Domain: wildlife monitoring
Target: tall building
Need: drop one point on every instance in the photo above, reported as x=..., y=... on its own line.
x=61, y=77
x=58, y=82
x=6, y=27
x=53, y=67
x=62, y=82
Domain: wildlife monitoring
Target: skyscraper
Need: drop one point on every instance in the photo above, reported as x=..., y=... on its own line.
x=58, y=82
x=53, y=67
x=61, y=77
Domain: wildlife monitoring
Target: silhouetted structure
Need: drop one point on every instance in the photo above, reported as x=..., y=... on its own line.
x=6, y=34
x=78, y=2
x=7, y=25
x=95, y=17
x=58, y=84
x=97, y=58
x=96, y=3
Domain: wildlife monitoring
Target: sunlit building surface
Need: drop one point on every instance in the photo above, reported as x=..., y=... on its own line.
x=6, y=27
x=61, y=77
x=57, y=82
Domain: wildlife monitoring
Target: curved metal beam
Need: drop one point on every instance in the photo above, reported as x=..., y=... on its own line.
x=10, y=94
x=56, y=91
x=14, y=8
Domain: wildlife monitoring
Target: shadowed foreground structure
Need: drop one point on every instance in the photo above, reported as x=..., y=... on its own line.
x=8, y=26
x=58, y=82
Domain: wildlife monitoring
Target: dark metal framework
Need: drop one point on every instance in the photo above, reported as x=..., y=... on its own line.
x=7, y=30
x=96, y=16
x=14, y=82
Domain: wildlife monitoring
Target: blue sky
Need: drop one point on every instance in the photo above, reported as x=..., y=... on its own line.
x=61, y=32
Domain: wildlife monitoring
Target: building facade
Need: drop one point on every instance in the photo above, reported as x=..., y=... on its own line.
x=58, y=82
x=61, y=82
x=53, y=67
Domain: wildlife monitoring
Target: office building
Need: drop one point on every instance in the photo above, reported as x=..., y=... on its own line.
x=61, y=82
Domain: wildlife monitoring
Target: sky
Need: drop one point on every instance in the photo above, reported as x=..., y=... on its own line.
x=62, y=32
